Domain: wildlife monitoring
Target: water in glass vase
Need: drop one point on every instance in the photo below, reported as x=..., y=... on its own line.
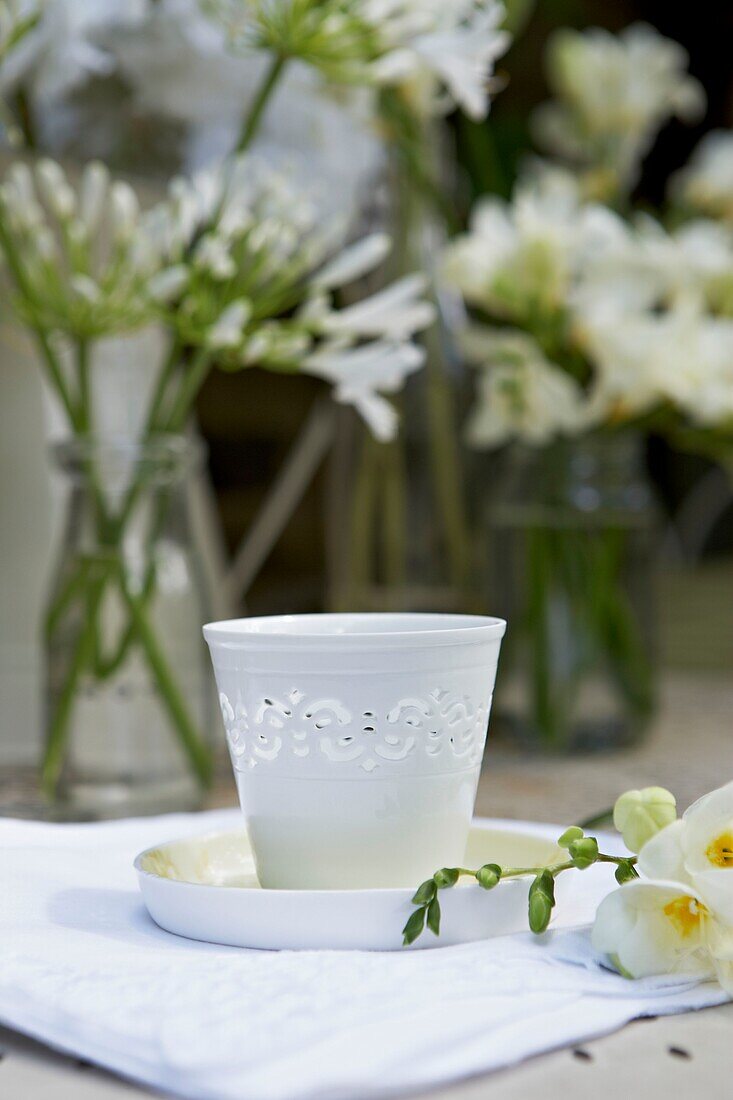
x=570, y=536
x=128, y=682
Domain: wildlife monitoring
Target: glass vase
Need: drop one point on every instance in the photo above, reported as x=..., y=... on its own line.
x=570, y=532
x=127, y=679
x=399, y=536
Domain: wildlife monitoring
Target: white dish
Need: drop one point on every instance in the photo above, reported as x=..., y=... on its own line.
x=205, y=888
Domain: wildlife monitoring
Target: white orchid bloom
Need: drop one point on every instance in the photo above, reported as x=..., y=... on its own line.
x=706, y=184
x=648, y=928
x=698, y=849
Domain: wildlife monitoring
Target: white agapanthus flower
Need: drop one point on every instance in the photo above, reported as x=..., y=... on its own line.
x=179, y=66
x=249, y=273
x=706, y=184
x=521, y=396
x=613, y=93
x=79, y=255
x=62, y=50
x=450, y=46
x=678, y=917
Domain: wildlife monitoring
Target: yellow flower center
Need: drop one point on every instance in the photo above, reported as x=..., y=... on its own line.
x=720, y=852
x=685, y=913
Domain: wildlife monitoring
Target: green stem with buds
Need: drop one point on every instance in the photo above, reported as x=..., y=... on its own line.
x=582, y=853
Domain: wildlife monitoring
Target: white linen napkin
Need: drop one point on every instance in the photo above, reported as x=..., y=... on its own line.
x=84, y=969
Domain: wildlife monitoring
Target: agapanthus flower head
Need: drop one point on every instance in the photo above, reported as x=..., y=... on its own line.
x=78, y=255
x=706, y=184
x=613, y=93
x=450, y=45
x=250, y=273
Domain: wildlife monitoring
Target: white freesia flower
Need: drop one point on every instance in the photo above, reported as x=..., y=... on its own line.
x=450, y=45
x=61, y=50
x=706, y=184
x=683, y=355
x=520, y=260
x=613, y=93
x=698, y=851
x=521, y=395
x=661, y=927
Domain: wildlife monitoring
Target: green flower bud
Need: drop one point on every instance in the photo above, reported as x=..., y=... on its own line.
x=447, y=876
x=625, y=872
x=540, y=911
x=571, y=834
x=414, y=927
x=544, y=884
x=434, y=916
x=424, y=893
x=639, y=815
x=488, y=875
x=583, y=852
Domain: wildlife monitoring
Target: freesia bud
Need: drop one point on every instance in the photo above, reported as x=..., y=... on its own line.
x=640, y=815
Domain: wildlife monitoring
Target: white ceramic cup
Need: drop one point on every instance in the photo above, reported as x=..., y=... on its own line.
x=356, y=741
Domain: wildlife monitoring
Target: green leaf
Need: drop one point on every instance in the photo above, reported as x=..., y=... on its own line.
x=434, y=916
x=571, y=834
x=414, y=926
x=625, y=872
x=488, y=875
x=424, y=893
x=583, y=852
x=447, y=876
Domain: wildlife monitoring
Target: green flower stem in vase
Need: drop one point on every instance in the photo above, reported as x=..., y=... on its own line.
x=123, y=636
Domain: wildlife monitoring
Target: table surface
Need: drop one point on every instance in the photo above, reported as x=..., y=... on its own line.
x=689, y=750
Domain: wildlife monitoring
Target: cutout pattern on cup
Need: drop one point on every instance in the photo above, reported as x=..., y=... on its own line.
x=447, y=731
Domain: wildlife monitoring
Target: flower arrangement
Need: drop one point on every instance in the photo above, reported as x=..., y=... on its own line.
x=235, y=267
x=673, y=910
x=591, y=325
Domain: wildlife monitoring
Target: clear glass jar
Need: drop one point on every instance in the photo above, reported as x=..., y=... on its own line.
x=399, y=535
x=570, y=534
x=128, y=683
